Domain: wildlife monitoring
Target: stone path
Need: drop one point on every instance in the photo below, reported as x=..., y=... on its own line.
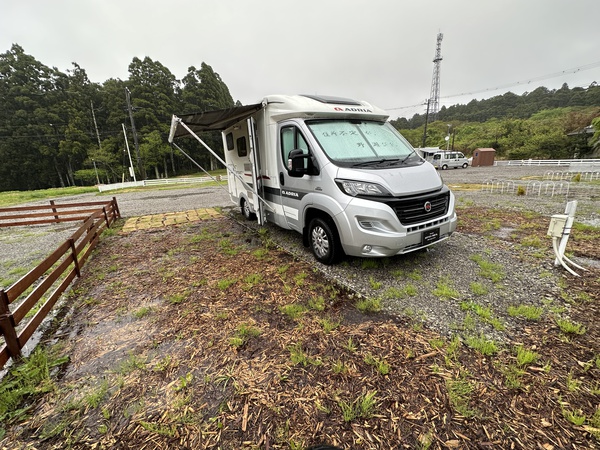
x=167, y=219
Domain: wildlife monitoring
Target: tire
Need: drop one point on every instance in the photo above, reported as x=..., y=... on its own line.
x=465, y=165
x=324, y=241
x=445, y=166
x=246, y=212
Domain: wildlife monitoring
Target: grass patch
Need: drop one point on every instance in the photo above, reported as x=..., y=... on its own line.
x=300, y=357
x=459, y=393
x=444, y=290
x=369, y=305
x=481, y=344
x=569, y=327
x=243, y=334
x=17, y=197
x=293, y=311
x=379, y=364
x=361, y=408
x=526, y=312
x=525, y=357
x=478, y=288
x=488, y=269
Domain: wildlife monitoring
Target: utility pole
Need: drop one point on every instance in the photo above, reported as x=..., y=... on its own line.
x=135, y=138
x=131, y=171
x=425, y=128
x=95, y=125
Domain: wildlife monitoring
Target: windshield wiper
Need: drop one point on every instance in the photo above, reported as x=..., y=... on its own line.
x=374, y=163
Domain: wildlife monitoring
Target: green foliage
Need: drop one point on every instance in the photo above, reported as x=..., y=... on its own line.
x=444, y=289
x=361, y=408
x=293, y=310
x=488, y=269
x=483, y=345
x=526, y=311
x=569, y=327
x=369, y=305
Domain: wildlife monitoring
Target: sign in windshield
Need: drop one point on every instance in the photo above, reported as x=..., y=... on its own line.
x=352, y=142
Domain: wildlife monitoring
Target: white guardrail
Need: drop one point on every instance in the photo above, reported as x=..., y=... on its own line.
x=159, y=182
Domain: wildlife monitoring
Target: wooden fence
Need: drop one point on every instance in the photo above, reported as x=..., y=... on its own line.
x=61, y=267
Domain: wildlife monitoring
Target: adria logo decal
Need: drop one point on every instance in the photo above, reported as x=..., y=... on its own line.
x=347, y=109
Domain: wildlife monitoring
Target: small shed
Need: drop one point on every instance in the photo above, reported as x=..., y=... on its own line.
x=483, y=157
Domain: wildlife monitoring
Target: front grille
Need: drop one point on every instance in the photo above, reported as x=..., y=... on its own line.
x=412, y=210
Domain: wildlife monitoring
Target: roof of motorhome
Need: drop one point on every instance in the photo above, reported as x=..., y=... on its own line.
x=280, y=107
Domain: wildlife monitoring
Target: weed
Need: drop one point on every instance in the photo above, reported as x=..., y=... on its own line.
x=298, y=356
x=484, y=313
x=132, y=363
x=512, y=375
x=283, y=269
x=436, y=343
x=179, y=297
x=488, y=269
x=243, y=334
x=339, y=367
x=478, y=288
x=459, y=394
x=444, y=290
x=569, y=327
x=159, y=428
x=521, y=190
x=575, y=417
x=369, y=305
x=253, y=279
x=526, y=357
x=329, y=325
x=317, y=303
x=483, y=345
x=142, y=312
x=228, y=247
x=369, y=264
x=293, y=311
x=573, y=385
x=526, y=311
x=375, y=285
x=361, y=408
x=299, y=278
x=225, y=283
x=407, y=291
x=350, y=345
x=261, y=253
x=94, y=398
x=380, y=364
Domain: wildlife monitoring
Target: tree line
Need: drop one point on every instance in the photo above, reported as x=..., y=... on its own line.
x=60, y=129
x=542, y=124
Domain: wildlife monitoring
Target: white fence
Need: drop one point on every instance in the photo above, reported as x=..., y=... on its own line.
x=159, y=182
x=584, y=163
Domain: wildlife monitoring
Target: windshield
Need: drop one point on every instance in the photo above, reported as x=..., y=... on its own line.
x=356, y=143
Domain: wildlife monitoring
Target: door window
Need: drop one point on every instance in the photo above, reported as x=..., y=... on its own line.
x=292, y=139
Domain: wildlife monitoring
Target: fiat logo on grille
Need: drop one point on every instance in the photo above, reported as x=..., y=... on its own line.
x=427, y=206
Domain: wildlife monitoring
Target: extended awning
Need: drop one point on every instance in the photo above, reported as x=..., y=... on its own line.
x=216, y=120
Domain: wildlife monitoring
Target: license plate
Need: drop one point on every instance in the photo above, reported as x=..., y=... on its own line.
x=430, y=236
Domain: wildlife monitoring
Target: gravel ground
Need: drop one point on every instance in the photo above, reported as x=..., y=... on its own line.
x=449, y=262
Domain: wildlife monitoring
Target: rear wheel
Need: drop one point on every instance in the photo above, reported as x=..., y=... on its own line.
x=246, y=211
x=324, y=241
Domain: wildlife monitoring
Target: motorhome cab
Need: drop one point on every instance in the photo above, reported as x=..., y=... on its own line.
x=332, y=169
x=449, y=160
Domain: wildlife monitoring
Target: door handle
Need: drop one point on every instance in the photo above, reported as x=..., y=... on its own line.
x=281, y=179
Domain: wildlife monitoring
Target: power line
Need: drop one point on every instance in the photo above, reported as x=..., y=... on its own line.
x=517, y=83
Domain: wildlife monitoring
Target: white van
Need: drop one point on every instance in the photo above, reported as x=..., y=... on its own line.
x=332, y=169
x=448, y=160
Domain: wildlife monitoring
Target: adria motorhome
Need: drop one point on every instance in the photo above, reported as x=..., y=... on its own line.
x=332, y=169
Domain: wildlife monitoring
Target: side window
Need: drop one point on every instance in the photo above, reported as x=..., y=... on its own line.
x=229, y=140
x=242, y=150
x=292, y=139
x=438, y=156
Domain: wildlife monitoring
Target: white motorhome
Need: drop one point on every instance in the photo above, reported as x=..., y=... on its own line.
x=332, y=169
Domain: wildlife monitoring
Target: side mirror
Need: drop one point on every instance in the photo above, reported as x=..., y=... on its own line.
x=295, y=163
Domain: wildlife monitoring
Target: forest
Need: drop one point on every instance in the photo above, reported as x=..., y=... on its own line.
x=60, y=129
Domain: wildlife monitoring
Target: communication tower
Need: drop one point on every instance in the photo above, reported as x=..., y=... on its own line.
x=434, y=97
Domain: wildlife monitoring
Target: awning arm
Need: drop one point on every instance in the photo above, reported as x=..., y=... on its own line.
x=177, y=120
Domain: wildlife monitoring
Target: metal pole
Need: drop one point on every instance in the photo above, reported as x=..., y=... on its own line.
x=96, y=170
x=131, y=169
x=135, y=138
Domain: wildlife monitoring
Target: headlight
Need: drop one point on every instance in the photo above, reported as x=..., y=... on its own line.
x=358, y=188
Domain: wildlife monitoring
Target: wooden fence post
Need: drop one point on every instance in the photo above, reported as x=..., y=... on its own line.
x=75, y=258
x=116, y=211
x=54, y=210
x=7, y=327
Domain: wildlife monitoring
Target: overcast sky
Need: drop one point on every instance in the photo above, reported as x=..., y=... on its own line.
x=378, y=50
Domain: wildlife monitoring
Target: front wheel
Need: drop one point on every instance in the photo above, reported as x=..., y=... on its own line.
x=465, y=165
x=324, y=241
x=445, y=166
